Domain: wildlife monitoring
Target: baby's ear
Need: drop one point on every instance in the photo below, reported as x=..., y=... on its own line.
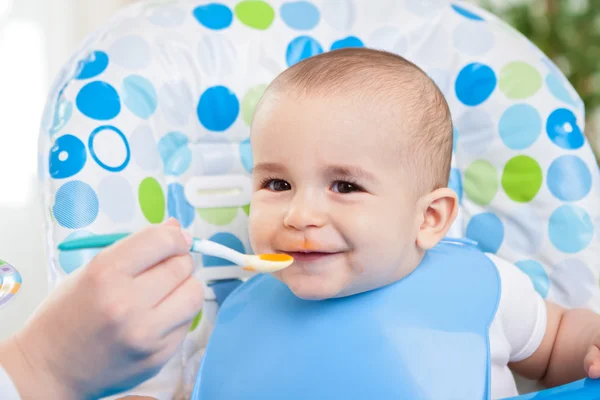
x=438, y=209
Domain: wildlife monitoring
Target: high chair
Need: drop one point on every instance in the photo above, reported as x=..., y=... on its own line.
x=150, y=119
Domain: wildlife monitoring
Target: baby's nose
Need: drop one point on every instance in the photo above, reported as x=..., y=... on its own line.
x=303, y=214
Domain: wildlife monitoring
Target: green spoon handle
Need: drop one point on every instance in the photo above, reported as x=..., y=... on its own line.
x=92, y=242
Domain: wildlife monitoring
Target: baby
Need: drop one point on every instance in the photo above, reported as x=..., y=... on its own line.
x=352, y=152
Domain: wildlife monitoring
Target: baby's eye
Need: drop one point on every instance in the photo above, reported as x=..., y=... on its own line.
x=345, y=187
x=277, y=185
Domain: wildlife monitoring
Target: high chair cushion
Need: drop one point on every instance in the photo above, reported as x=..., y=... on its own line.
x=150, y=119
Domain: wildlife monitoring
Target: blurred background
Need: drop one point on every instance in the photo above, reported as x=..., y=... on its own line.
x=37, y=37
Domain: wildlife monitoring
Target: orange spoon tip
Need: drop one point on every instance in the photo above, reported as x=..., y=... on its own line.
x=276, y=257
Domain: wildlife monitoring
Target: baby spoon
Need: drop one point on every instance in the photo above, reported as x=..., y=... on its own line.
x=249, y=262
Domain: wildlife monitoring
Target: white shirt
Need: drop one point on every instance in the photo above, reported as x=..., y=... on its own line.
x=518, y=327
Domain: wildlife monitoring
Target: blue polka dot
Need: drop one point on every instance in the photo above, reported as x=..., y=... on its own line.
x=175, y=152
x=139, y=96
x=74, y=259
x=214, y=16
x=475, y=83
x=99, y=100
x=455, y=183
x=537, y=274
x=569, y=178
x=350, y=41
x=92, y=66
x=302, y=48
x=178, y=206
x=454, y=139
x=570, y=229
x=563, y=130
x=218, y=108
x=92, y=142
x=75, y=205
x=246, y=155
x=300, y=15
x=62, y=114
x=557, y=86
x=520, y=126
x=226, y=239
x=487, y=230
x=466, y=13
x=67, y=157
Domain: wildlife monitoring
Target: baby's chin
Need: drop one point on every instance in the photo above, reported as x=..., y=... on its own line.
x=313, y=287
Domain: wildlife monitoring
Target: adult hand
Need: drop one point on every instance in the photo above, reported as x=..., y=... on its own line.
x=112, y=325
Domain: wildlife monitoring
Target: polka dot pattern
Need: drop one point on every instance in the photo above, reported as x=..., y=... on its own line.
x=475, y=84
x=487, y=230
x=563, y=130
x=302, y=48
x=178, y=206
x=67, y=157
x=520, y=126
x=157, y=101
x=522, y=178
x=537, y=274
x=213, y=16
x=116, y=198
x=570, y=229
x=75, y=205
x=256, y=14
x=111, y=139
x=519, y=80
x=152, y=200
x=300, y=15
x=131, y=52
x=175, y=153
x=99, y=100
x=481, y=182
x=569, y=178
x=218, y=108
x=139, y=96
x=95, y=64
x=70, y=261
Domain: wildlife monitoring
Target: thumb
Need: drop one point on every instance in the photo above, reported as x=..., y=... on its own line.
x=172, y=222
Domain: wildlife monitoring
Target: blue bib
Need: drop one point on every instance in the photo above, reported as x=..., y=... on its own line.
x=424, y=337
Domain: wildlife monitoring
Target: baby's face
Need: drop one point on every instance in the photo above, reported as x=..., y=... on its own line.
x=328, y=189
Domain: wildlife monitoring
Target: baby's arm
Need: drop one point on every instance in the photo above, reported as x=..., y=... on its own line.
x=569, y=350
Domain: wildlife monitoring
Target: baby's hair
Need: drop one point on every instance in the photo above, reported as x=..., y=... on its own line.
x=380, y=76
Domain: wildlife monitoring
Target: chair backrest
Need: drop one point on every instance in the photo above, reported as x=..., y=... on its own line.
x=150, y=119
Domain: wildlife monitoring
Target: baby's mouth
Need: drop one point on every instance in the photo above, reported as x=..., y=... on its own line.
x=311, y=256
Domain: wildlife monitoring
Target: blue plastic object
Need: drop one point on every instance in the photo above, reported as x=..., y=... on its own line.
x=420, y=338
x=584, y=389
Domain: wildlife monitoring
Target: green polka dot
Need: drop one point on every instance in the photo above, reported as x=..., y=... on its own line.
x=519, y=80
x=250, y=101
x=255, y=14
x=218, y=216
x=152, y=200
x=2, y=262
x=481, y=182
x=196, y=322
x=246, y=209
x=522, y=178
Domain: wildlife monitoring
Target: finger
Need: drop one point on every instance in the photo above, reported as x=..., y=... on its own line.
x=591, y=362
x=180, y=307
x=146, y=248
x=170, y=345
x=156, y=283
